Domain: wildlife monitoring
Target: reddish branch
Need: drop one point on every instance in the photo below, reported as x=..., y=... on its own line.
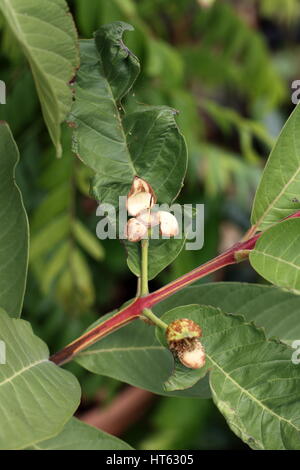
x=134, y=310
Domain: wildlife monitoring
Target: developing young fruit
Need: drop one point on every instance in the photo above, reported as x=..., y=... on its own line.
x=135, y=230
x=183, y=339
x=140, y=197
x=168, y=224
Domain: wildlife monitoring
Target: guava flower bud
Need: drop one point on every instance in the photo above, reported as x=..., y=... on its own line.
x=168, y=224
x=150, y=219
x=135, y=230
x=183, y=339
x=140, y=197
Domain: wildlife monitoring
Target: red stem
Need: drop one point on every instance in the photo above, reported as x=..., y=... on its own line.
x=135, y=308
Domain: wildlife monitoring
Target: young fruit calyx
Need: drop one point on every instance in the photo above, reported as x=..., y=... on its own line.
x=183, y=340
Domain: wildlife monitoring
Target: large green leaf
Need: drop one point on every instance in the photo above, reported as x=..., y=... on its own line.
x=77, y=435
x=278, y=192
x=134, y=355
x=13, y=228
x=47, y=35
x=276, y=255
x=145, y=141
x=273, y=309
x=36, y=397
x=253, y=380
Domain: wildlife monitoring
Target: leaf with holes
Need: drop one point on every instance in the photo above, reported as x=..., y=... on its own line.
x=118, y=145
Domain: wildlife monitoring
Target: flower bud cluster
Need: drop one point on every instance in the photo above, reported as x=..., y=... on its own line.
x=140, y=200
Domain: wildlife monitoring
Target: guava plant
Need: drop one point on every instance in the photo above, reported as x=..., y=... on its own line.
x=231, y=341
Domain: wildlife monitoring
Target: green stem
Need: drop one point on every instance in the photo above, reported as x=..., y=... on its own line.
x=144, y=267
x=154, y=319
x=144, y=285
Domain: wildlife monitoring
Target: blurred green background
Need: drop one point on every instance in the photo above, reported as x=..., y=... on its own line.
x=227, y=67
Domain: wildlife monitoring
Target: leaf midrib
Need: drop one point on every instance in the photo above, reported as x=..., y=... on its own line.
x=121, y=349
x=272, y=205
x=119, y=119
x=21, y=371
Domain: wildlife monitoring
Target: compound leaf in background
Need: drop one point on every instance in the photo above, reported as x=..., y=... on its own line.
x=278, y=192
x=253, y=380
x=276, y=255
x=77, y=435
x=14, y=234
x=37, y=397
x=116, y=145
x=60, y=267
x=47, y=35
x=87, y=240
x=275, y=310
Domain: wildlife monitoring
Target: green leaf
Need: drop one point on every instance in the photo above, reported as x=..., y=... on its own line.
x=77, y=435
x=117, y=145
x=253, y=380
x=14, y=232
x=47, y=35
x=276, y=255
x=278, y=192
x=36, y=397
x=134, y=355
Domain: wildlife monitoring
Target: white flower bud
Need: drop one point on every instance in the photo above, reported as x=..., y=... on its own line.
x=135, y=230
x=150, y=219
x=168, y=224
x=140, y=197
x=193, y=358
